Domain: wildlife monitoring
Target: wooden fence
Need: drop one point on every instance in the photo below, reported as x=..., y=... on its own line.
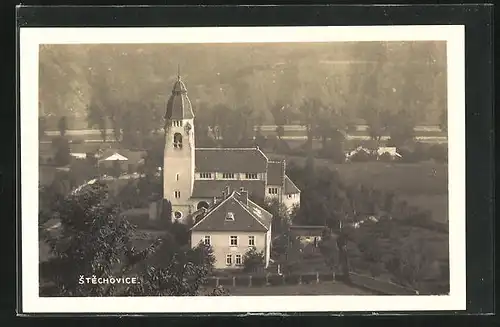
x=367, y=283
x=270, y=280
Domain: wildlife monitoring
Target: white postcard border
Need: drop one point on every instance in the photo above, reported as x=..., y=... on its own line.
x=31, y=38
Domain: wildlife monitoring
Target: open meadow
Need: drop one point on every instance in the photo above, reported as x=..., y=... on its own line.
x=324, y=288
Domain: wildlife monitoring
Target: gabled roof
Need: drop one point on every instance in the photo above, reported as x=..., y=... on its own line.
x=290, y=187
x=132, y=156
x=390, y=150
x=115, y=156
x=275, y=172
x=247, y=218
x=230, y=160
x=214, y=188
x=260, y=213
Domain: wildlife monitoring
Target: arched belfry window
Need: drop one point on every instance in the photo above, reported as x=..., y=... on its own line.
x=178, y=141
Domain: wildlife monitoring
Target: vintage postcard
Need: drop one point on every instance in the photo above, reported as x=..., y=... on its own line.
x=255, y=169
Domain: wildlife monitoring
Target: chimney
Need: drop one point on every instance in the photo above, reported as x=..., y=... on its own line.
x=214, y=200
x=227, y=191
x=243, y=196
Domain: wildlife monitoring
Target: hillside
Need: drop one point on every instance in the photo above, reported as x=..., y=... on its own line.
x=350, y=77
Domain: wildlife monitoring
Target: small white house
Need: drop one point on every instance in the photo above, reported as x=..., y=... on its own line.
x=392, y=151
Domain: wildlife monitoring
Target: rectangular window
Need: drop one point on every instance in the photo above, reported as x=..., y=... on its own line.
x=233, y=240
x=251, y=240
x=228, y=175
x=238, y=259
x=229, y=259
x=206, y=240
x=273, y=190
x=206, y=175
x=250, y=176
x=177, y=194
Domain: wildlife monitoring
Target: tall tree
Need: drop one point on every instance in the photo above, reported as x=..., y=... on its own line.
x=309, y=110
x=443, y=121
x=62, y=126
x=42, y=126
x=94, y=241
x=96, y=117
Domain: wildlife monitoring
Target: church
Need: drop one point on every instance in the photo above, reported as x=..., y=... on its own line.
x=194, y=179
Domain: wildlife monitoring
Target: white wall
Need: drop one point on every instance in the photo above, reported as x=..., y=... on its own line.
x=220, y=242
x=293, y=200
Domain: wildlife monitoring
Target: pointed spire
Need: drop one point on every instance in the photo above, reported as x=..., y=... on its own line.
x=178, y=72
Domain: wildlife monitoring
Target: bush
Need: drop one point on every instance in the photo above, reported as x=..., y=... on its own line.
x=385, y=157
x=258, y=281
x=253, y=260
x=292, y=279
x=439, y=153
x=362, y=156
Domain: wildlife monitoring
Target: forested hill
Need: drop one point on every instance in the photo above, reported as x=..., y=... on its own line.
x=351, y=78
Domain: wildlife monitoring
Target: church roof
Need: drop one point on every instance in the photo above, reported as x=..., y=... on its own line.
x=214, y=188
x=290, y=187
x=230, y=160
x=276, y=172
x=179, y=105
x=246, y=217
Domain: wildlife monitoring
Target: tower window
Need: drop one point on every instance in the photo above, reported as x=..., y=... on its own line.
x=206, y=175
x=177, y=194
x=176, y=177
x=251, y=176
x=177, y=123
x=177, y=141
x=228, y=175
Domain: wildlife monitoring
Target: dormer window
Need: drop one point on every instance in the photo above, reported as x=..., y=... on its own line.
x=177, y=141
x=230, y=216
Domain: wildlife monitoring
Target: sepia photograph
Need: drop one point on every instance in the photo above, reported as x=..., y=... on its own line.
x=239, y=166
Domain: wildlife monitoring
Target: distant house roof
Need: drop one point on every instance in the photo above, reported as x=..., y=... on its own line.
x=290, y=187
x=133, y=157
x=214, y=188
x=244, y=216
x=358, y=149
x=115, y=156
x=78, y=155
x=390, y=150
x=275, y=172
x=230, y=160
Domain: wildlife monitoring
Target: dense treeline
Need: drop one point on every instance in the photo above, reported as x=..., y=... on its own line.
x=112, y=85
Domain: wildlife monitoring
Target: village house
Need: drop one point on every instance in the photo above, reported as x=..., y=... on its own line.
x=391, y=151
x=232, y=227
x=193, y=178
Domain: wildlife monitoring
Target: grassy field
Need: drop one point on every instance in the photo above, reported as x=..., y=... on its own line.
x=427, y=178
x=436, y=203
x=334, y=288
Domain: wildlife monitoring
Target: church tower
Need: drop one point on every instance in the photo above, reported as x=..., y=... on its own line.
x=179, y=153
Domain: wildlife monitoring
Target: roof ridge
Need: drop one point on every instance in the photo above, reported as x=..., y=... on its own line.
x=211, y=211
x=250, y=213
x=260, y=207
